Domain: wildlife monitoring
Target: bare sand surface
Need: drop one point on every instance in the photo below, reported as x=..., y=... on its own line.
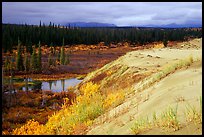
x=180, y=88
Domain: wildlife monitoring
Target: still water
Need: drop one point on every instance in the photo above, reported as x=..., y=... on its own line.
x=55, y=86
x=60, y=85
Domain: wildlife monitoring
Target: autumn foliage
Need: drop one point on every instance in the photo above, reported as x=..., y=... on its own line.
x=25, y=106
x=113, y=99
x=75, y=118
x=30, y=128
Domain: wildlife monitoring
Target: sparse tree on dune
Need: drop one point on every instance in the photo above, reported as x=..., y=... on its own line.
x=165, y=42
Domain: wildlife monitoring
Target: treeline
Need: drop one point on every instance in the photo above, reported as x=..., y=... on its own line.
x=22, y=61
x=52, y=35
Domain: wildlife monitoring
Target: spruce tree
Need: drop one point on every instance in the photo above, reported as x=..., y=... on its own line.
x=62, y=54
x=165, y=42
x=11, y=66
x=67, y=61
x=6, y=65
x=58, y=56
x=40, y=24
x=39, y=64
x=19, y=60
x=63, y=41
x=26, y=62
x=30, y=48
x=34, y=60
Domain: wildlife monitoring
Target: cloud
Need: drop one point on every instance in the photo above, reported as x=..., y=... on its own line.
x=119, y=13
x=179, y=13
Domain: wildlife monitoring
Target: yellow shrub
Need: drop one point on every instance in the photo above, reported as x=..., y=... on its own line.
x=89, y=122
x=89, y=89
x=158, y=46
x=57, y=123
x=84, y=110
x=113, y=99
x=30, y=128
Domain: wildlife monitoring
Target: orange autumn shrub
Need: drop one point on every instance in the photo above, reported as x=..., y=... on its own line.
x=75, y=116
x=32, y=127
x=28, y=105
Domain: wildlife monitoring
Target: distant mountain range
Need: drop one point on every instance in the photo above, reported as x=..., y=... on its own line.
x=89, y=24
x=97, y=24
x=173, y=25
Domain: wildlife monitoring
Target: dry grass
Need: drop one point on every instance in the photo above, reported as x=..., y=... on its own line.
x=165, y=70
x=194, y=114
x=168, y=120
x=142, y=124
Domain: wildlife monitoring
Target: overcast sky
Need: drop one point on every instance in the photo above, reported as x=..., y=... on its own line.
x=118, y=13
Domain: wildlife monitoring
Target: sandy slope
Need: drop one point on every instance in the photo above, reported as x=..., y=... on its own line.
x=184, y=84
x=161, y=95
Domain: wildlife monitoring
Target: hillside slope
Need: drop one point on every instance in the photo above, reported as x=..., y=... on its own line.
x=180, y=88
x=151, y=91
x=137, y=74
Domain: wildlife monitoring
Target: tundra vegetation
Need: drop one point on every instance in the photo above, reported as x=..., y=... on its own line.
x=92, y=102
x=30, y=49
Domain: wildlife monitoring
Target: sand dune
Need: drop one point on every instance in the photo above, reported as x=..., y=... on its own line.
x=180, y=88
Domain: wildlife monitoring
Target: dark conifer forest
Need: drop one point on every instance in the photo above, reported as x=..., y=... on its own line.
x=52, y=35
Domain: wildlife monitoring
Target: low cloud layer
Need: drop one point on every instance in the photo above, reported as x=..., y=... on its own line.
x=118, y=13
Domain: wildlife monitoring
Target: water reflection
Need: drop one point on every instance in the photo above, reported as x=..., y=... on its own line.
x=37, y=86
x=60, y=85
x=50, y=84
x=30, y=87
x=26, y=86
x=55, y=86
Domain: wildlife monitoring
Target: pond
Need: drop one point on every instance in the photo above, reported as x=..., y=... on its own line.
x=60, y=85
x=54, y=85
